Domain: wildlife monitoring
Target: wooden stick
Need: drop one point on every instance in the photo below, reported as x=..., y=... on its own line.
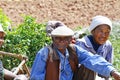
x=20, y=66
x=19, y=56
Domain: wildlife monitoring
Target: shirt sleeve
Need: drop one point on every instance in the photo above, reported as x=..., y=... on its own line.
x=38, y=68
x=94, y=62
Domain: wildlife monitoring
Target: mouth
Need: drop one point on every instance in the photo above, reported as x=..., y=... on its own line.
x=102, y=41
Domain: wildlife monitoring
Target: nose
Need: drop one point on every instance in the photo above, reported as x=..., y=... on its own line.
x=105, y=35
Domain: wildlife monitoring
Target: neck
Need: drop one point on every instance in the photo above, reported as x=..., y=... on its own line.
x=60, y=49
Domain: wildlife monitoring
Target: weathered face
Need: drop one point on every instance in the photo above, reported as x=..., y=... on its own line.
x=1, y=38
x=61, y=42
x=101, y=33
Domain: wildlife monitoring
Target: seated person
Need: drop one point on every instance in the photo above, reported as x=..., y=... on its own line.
x=4, y=73
x=97, y=43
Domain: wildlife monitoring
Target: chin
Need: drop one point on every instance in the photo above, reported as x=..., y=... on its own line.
x=101, y=43
x=60, y=48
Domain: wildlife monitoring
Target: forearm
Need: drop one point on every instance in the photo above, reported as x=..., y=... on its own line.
x=8, y=75
x=115, y=74
x=99, y=65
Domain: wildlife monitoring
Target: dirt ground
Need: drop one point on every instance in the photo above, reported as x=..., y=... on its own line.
x=72, y=12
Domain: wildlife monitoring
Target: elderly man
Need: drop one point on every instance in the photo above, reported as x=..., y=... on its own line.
x=60, y=63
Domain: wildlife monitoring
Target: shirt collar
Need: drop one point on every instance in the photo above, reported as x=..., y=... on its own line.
x=61, y=55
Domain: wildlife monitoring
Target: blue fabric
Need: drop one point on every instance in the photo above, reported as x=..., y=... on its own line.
x=94, y=62
x=94, y=44
x=105, y=50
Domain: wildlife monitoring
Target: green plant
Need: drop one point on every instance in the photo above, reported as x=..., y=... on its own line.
x=115, y=39
x=26, y=39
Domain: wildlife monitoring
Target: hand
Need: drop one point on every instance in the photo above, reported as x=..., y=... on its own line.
x=20, y=77
x=115, y=75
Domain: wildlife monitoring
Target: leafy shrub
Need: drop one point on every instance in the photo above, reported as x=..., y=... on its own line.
x=26, y=39
x=115, y=39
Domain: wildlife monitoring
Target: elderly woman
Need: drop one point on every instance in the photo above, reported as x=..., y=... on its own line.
x=97, y=43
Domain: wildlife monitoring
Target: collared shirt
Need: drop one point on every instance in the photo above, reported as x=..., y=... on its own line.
x=94, y=44
x=93, y=62
x=105, y=50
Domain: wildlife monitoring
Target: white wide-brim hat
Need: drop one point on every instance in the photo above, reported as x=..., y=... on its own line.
x=62, y=31
x=99, y=20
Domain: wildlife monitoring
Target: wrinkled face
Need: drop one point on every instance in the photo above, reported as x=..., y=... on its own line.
x=101, y=33
x=1, y=38
x=61, y=42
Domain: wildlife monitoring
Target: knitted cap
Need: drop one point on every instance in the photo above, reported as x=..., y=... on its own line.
x=99, y=20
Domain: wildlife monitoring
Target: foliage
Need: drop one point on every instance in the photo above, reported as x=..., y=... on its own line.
x=26, y=39
x=115, y=39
